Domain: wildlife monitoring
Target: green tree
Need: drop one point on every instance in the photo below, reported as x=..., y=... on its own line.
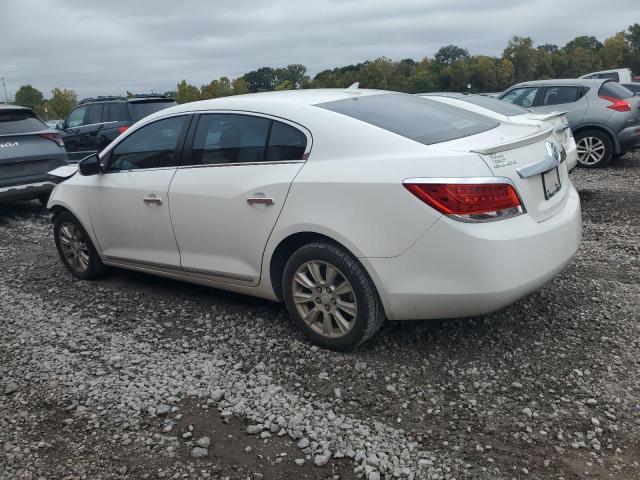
x=483, y=74
x=422, y=79
x=217, y=88
x=285, y=85
x=29, y=97
x=294, y=73
x=239, y=86
x=185, y=92
x=522, y=55
x=450, y=54
x=261, y=80
x=615, y=50
x=61, y=103
x=632, y=35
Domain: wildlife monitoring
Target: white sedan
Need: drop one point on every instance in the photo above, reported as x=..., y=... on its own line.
x=508, y=112
x=350, y=206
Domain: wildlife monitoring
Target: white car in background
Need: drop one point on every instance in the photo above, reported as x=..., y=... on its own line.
x=508, y=112
x=350, y=206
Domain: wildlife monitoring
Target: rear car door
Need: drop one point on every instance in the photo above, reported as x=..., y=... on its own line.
x=227, y=197
x=128, y=203
x=72, y=132
x=565, y=98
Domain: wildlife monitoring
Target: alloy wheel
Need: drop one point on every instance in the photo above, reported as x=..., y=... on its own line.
x=74, y=247
x=324, y=298
x=591, y=150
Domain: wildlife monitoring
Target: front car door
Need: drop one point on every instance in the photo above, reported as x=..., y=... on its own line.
x=564, y=98
x=227, y=197
x=128, y=203
x=71, y=131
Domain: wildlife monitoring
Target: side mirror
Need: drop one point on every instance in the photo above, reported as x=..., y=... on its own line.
x=59, y=126
x=90, y=165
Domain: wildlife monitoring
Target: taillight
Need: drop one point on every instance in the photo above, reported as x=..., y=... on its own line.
x=470, y=202
x=54, y=137
x=618, y=104
x=121, y=130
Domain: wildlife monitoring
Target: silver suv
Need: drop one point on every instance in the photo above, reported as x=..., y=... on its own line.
x=603, y=115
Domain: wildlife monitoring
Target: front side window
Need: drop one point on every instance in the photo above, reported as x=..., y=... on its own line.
x=76, y=118
x=152, y=146
x=559, y=95
x=229, y=138
x=523, y=96
x=420, y=119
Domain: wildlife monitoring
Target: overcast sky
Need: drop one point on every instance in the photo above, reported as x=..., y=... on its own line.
x=108, y=47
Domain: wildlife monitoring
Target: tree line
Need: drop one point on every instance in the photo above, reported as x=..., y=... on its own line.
x=452, y=68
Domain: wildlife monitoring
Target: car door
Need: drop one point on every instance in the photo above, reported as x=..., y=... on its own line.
x=522, y=96
x=128, y=202
x=227, y=197
x=564, y=98
x=92, y=126
x=71, y=131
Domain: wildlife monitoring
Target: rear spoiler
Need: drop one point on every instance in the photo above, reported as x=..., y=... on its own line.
x=521, y=142
x=547, y=116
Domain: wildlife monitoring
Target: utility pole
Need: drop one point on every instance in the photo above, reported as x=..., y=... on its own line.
x=6, y=98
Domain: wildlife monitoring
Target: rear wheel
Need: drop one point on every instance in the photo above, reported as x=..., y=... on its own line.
x=330, y=297
x=595, y=148
x=75, y=247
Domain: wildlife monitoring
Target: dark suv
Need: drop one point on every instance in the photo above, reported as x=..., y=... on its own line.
x=95, y=122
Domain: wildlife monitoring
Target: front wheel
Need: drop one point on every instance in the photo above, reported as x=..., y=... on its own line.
x=75, y=247
x=595, y=148
x=330, y=297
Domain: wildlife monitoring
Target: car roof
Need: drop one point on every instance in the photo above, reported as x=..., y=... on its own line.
x=588, y=82
x=6, y=106
x=443, y=94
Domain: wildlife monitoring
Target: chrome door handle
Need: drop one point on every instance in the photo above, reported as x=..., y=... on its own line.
x=152, y=200
x=260, y=201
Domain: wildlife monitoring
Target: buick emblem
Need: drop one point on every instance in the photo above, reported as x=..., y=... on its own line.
x=558, y=154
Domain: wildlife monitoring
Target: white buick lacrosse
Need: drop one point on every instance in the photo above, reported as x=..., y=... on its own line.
x=350, y=206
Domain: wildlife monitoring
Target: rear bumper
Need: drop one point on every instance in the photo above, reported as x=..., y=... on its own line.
x=459, y=269
x=25, y=191
x=629, y=138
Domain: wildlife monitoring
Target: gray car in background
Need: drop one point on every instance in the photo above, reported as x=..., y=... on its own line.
x=29, y=150
x=603, y=115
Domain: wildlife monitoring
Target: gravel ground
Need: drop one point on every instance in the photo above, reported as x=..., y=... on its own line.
x=140, y=377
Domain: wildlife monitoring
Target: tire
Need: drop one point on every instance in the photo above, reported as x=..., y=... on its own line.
x=348, y=297
x=75, y=247
x=44, y=199
x=595, y=148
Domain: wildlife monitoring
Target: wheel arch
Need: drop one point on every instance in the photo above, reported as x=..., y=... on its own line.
x=58, y=207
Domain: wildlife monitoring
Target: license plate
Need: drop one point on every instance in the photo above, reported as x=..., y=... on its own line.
x=551, y=183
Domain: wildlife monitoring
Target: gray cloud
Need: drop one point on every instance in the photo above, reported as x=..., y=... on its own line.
x=99, y=48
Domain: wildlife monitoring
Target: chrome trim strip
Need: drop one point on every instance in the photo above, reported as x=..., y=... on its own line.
x=239, y=164
x=25, y=186
x=536, y=168
x=521, y=142
x=184, y=271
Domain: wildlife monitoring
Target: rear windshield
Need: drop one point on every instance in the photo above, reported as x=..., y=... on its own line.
x=142, y=109
x=615, y=90
x=420, y=119
x=495, y=105
x=19, y=121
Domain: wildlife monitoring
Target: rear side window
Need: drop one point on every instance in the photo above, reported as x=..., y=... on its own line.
x=286, y=143
x=634, y=88
x=523, y=96
x=614, y=90
x=95, y=114
x=229, y=138
x=139, y=110
x=417, y=118
x=495, y=105
x=559, y=95
x=152, y=146
x=19, y=121
x=118, y=112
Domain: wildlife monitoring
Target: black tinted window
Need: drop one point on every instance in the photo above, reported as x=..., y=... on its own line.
x=76, y=118
x=152, y=146
x=118, y=112
x=95, y=113
x=286, y=143
x=420, y=119
x=614, y=90
x=19, y=121
x=229, y=138
x=632, y=87
x=140, y=110
x=523, y=96
x=559, y=95
x=495, y=105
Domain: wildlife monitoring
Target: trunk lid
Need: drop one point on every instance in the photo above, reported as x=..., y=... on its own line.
x=24, y=155
x=525, y=155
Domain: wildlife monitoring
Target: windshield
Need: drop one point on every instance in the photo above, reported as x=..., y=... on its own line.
x=420, y=119
x=19, y=121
